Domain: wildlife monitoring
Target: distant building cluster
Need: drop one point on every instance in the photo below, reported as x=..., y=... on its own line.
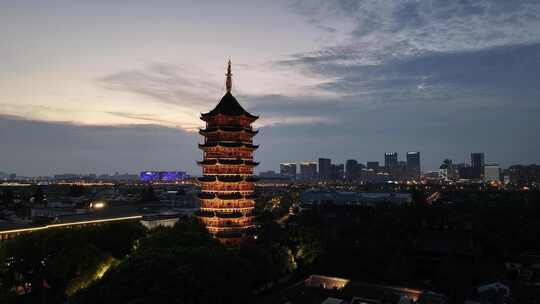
x=409, y=169
x=477, y=170
x=523, y=176
x=325, y=171
x=163, y=176
x=74, y=204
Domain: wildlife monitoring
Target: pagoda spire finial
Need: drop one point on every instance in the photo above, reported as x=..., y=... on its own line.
x=228, y=82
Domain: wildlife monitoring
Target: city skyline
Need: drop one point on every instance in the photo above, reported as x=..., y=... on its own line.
x=344, y=80
x=277, y=167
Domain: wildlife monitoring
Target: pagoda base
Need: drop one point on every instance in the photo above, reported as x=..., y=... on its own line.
x=236, y=238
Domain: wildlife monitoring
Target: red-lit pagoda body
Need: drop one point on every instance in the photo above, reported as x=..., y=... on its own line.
x=228, y=183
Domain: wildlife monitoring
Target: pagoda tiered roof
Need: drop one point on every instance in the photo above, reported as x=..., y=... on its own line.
x=226, y=144
x=224, y=215
x=225, y=196
x=229, y=106
x=227, y=179
x=231, y=162
x=228, y=129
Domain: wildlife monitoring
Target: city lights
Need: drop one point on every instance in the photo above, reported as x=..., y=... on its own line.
x=97, y=205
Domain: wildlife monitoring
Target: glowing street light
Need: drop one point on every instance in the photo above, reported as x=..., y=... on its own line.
x=97, y=205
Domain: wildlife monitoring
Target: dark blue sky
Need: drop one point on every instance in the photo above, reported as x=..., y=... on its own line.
x=107, y=86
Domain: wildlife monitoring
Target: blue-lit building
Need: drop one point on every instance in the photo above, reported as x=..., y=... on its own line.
x=163, y=176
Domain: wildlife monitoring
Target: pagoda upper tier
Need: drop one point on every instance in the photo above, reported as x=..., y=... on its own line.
x=228, y=106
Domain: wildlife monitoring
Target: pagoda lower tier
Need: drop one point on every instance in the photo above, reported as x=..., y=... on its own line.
x=227, y=197
x=239, y=205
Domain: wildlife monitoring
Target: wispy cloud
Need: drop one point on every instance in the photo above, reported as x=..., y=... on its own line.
x=423, y=51
x=379, y=31
x=177, y=85
x=155, y=119
x=294, y=120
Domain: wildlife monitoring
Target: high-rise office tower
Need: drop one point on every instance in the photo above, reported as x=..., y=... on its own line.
x=308, y=171
x=288, y=169
x=477, y=164
x=390, y=161
x=413, y=164
x=352, y=170
x=337, y=172
x=325, y=168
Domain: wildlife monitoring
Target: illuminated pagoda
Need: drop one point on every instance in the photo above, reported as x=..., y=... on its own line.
x=227, y=198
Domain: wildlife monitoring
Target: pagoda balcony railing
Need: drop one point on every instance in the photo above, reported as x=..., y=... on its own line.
x=226, y=163
x=226, y=199
x=234, y=214
x=228, y=187
x=204, y=213
x=226, y=222
x=229, y=195
x=227, y=154
x=224, y=215
x=227, y=204
x=231, y=128
x=218, y=199
x=246, y=146
x=223, y=196
x=227, y=209
x=223, y=179
x=223, y=120
x=215, y=229
x=240, y=136
x=223, y=170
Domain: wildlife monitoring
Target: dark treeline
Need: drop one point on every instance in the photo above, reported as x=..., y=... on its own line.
x=182, y=264
x=450, y=247
x=48, y=266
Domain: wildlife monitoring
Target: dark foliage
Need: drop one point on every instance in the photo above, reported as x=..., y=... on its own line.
x=45, y=266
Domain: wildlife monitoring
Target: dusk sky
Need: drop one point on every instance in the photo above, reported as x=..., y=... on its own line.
x=103, y=86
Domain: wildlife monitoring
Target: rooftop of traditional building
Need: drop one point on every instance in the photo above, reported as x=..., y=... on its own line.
x=228, y=105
